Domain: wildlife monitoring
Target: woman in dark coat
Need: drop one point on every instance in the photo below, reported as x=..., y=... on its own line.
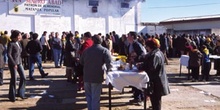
x=70, y=55
x=195, y=57
x=15, y=66
x=154, y=66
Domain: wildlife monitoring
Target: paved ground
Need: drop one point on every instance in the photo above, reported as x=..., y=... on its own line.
x=54, y=93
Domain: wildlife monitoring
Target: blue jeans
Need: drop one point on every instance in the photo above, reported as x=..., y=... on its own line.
x=22, y=84
x=32, y=59
x=56, y=56
x=93, y=93
x=5, y=55
x=62, y=56
x=1, y=76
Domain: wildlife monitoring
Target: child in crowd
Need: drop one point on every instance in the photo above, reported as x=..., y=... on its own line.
x=206, y=63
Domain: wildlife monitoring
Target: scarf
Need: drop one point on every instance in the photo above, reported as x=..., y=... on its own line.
x=206, y=51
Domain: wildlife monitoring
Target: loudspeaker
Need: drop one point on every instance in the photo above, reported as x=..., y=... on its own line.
x=94, y=9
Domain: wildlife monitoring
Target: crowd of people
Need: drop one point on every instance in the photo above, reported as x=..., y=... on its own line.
x=85, y=55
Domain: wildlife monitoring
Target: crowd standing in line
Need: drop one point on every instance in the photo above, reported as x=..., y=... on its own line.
x=76, y=53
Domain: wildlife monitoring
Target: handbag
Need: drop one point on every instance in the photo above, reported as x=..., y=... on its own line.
x=78, y=69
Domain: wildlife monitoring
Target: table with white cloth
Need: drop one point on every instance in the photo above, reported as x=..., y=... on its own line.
x=120, y=79
x=214, y=57
x=184, y=60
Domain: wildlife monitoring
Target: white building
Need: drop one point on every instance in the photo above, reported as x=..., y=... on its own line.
x=193, y=25
x=96, y=16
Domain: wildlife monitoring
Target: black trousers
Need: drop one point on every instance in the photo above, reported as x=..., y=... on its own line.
x=138, y=94
x=155, y=101
x=44, y=53
x=62, y=56
x=195, y=72
x=1, y=76
x=25, y=62
x=206, y=70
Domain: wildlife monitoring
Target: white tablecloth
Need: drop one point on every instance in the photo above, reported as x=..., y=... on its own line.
x=184, y=59
x=214, y=57
x=120, y=79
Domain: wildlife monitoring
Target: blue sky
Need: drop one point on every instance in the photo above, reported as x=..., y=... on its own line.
x=159, y=10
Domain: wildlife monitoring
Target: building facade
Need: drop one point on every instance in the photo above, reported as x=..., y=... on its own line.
x=96, y=16
x=152, y=28
x=203, y=25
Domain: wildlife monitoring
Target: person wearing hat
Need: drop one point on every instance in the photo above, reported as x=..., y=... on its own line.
x=93, y=60
x=153, y=65
x=1, y=33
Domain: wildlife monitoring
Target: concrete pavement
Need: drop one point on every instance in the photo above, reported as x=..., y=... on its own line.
x=54, y=93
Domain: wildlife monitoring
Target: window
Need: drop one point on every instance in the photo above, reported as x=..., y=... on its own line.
x=93, y=2
x=124, y=5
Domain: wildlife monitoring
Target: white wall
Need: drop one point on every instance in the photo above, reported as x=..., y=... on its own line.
x=77, y=16
x=56, y=23
x=110, y=17
x=8, y=22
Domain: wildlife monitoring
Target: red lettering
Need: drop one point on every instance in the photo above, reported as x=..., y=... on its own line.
x=36, y=1
x=16, y=0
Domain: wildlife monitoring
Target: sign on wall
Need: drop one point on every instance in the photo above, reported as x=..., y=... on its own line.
x=33, y=7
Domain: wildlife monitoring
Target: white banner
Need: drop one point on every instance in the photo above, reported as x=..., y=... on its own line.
x=33, y=7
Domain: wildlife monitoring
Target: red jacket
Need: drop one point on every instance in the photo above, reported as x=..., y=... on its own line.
x=88, y=43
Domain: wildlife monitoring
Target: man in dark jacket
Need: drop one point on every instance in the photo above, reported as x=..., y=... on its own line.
x=34, y=48
x=93, y=60
x=136, y=51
